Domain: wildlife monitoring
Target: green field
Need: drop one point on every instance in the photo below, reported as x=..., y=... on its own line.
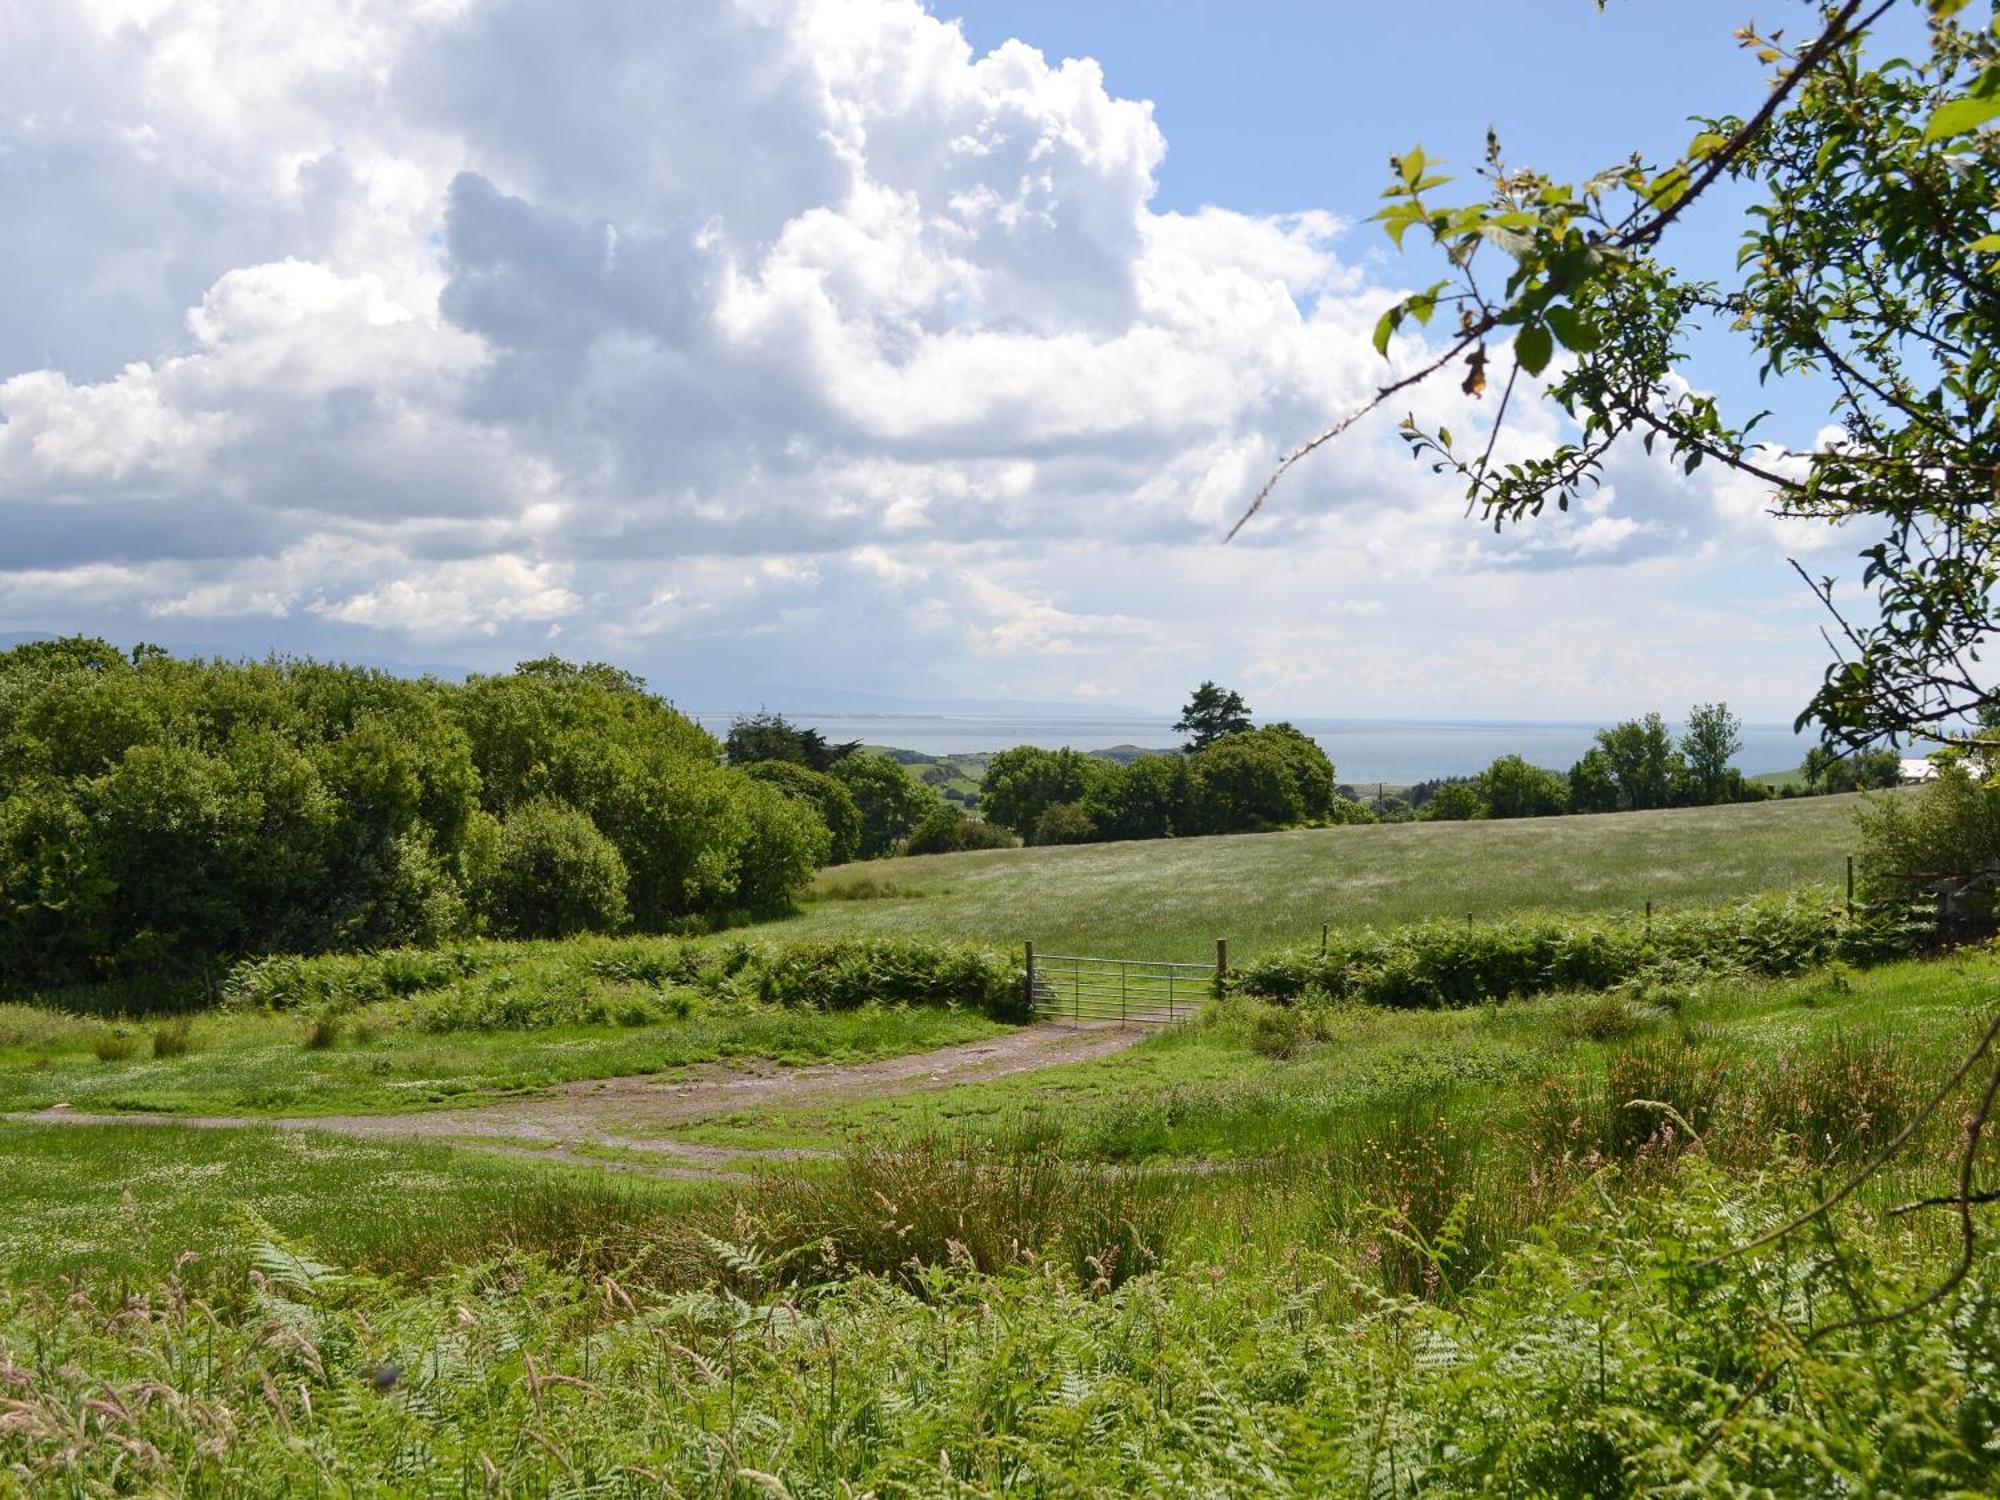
x=835, y=1229
x=1467, y=1246
x=1170, y=899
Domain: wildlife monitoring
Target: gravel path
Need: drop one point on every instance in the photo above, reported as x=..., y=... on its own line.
x=627, y=1113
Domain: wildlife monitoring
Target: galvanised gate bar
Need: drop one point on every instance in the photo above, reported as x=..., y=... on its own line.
x=1072, y=987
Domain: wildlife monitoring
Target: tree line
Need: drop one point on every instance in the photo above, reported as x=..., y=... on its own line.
x=157, y=814
x=1637, y=765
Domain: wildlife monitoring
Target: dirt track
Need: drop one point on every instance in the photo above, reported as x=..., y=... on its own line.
x=626, y=1113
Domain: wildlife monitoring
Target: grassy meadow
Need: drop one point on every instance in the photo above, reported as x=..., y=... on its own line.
x=1306, y=1250
x=1298, y=1245
x=1170, y=899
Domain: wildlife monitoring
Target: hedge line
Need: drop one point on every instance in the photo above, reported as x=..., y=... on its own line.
x=1432, y=965
x=633, y=980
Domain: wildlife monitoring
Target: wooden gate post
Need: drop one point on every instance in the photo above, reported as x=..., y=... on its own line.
x=1221, y=966
x=1031, y=977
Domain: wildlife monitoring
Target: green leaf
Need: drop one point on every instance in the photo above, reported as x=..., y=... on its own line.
x=1532, y=347
x=1967, y=113
x=1986, y=244
x=1576, y=331
x=1960, y=117
x=1385, y=328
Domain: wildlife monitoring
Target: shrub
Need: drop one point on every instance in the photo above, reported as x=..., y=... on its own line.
x=1950, y=830
x=629, y=981
x=174, y=1039
x=844, y=973
x=1064, y=823
x=1349, y=810
x=322, y=1032
x=114, y=1044
x=946, y=830
x=1454, y=802
x=1443, y=964
x=1284, y=1031
x=554, y=875
x=1610, y=1018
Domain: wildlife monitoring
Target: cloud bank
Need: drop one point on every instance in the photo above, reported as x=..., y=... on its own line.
x=749, y=341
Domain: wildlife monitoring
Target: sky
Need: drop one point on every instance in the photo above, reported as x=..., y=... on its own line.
x=778, y=347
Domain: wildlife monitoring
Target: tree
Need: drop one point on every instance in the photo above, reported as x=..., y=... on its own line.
x=1149, y=799
x=1312, y=769
x=1511, y=788
x=1826, y=770
x=830, y=801
x=1455, y=802
x=766, y=736
x=1866, y=265
x=1022, y=783
x=1249, y=781
x=1592, y=788
x=892, y=803
x=1643, y=763
x=1211, y=714
x=1714, y=736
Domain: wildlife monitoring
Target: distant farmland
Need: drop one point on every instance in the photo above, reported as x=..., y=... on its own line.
x=1171, y=898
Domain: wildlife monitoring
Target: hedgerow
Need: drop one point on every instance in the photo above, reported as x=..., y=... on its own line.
x=634, y=981
x=1437, y=964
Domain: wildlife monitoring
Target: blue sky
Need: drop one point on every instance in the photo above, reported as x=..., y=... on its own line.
x=761, y=345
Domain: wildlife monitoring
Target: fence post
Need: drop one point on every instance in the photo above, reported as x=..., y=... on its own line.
x=1031, y=977
x=1649, y=917
x=1323, y=927
x=1221, y=966
x=1850, y=888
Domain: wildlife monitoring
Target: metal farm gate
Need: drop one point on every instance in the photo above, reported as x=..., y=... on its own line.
x=1071, y=987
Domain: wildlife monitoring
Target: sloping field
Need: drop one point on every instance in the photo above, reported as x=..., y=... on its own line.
x=1171, y=898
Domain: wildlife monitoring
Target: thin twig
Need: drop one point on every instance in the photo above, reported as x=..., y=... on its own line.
x=1346, y=422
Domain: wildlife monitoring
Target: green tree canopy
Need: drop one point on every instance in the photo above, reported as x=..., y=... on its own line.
x=892, y=802
x=1642, y=761
x=1211, y=713
x=827, y=796
x=1512, y=788
x=1714, y=737
x=767, y=736
x=1454, y=802
x=1024, y=782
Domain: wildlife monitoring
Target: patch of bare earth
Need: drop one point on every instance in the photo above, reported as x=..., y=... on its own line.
x=627, y=1114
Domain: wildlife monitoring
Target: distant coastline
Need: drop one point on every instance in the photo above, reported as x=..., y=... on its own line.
x=1364, y=751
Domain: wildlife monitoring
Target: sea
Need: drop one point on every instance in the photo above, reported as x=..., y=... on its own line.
x=1397, y=752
